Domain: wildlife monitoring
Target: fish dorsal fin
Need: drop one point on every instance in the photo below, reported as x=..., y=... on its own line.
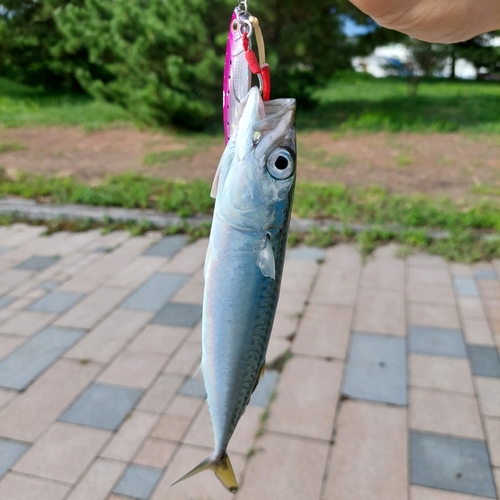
x=265, y=259
x=224, y=163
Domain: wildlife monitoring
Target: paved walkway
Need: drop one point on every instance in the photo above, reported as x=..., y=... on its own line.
x=392, y=391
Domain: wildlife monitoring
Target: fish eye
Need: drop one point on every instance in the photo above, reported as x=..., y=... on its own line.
x=234, y=26
x=280, y=164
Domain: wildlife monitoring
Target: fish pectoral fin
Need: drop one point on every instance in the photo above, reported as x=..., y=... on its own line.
x=265, y=259
x=222, y=468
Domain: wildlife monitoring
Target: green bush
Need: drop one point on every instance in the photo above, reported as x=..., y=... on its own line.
x=154, y=56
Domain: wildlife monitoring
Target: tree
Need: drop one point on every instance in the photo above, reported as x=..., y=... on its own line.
x=154, y=56
x=29, y=44
x=481, y=51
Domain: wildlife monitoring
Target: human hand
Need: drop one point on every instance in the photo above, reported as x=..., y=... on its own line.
x=439, y=21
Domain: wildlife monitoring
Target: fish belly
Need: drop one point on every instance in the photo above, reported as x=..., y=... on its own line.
x=238, y=312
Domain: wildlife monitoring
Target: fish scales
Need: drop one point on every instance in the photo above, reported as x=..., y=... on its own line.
x=253, y=187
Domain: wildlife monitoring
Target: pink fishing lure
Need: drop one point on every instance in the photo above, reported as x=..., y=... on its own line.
x=237, y=74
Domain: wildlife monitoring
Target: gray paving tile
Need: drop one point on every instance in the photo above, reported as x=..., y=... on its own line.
x=193, y=387
x=485, y=274
x=103, y=406
x=264, y=389
x=176, y=314
x=465, y=286
x=5, y=301
x=32, y=358
x=168, y=246
x=306, y=253
x=138, y=482
x=56, y=302
x=156, y=292
x=484, y=360
x=10, y=453
x=4, y=250
x=37, y=263
x=450, y=463
x=437, y=342
x=376, y=370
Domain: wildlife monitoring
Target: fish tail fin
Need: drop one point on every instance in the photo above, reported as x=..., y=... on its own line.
x=222, y=468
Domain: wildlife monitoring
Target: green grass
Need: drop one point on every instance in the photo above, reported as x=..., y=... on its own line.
x=7, y=147
x=390, y=217
x=321, y=158
x=346, y=204
x=351, y=102
x=361, y=103
x=23, y=106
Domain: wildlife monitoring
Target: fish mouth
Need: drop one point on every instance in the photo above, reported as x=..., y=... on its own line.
x=264, y=124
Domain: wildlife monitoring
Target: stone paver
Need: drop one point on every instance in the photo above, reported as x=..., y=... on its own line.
x=390, y=390
x=71, y=448
x=370, y=454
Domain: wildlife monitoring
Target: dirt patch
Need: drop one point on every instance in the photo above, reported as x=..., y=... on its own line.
x=435, y=164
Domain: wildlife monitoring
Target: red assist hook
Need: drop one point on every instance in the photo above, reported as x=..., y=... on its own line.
x=262, y=71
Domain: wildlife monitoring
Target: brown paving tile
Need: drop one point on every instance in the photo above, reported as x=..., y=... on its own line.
x=8, y=344
x=202, y=486
x=488, y=389
x=134, y=369
x=492, y=309
x=93, y=308
x=276, y=348
x=98, y=481
x=428, y=276
x=477, y=331
x=421, y=493
x=33, y=410
x=297, y=479
x=26, y=323
x=70, y=447
x=307, y=395
x=201, y=433
x=292, y=303
x=21, y=487
x=298, y=275
x=132, y=433
x=496, y=476
x=435, y=294
x=445, y=413
x=191, y=293
x=388, y=251
x=489, y=288
x=12, y=279
x=338, y=277
x=155, y=453
x=437, y=372
x=370, y=454
x=384, y=274
x=102, y=343
x=189, y=260
x=492, y=431
x=422, y=260
x=460, y=270
x=6, y=397
x=324, y=331
x=380, y=311
x=285, y=325
x=136, y=273
x=184, y=406
x=171, y=427
x=470, y=307
x=159, y=395
x=433, y=315
x=187, y=359
x=158, y=338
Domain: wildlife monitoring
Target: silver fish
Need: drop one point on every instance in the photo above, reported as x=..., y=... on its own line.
x=254, y=187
